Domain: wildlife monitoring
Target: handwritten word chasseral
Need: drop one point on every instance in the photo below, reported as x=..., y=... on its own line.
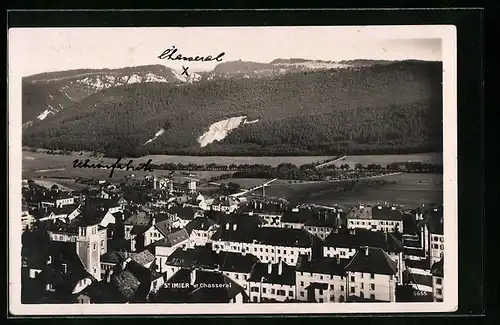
x=77, y=163
x=169, y=54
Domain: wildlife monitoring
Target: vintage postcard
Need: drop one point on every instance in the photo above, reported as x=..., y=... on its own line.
x=232, y=170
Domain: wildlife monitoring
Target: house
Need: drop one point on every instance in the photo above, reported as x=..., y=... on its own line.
x=321, y=279
x=437, y=280
x=436, y=234
x=269, y=244
x=272, y=282
x=53, y=213
x=122, y=202
x=323, y=225
x=64, y=273
x=235, y=266
x=165, y=247
x=181, y=215
x=200, y=230
x=371, y=274
x=224, y=204
x=376, y=218
x=345, y=243
x=158, y=229
x=111, y=259
x=128, y=282
x=134, y=228
x=296, y=218
x=198, y=286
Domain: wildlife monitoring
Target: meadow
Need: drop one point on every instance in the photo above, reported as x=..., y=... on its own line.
x=383, y=160
x=409, y=189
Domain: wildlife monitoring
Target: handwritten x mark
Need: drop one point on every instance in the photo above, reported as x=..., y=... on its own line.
x=185, y=71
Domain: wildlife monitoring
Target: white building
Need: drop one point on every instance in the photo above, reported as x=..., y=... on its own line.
x=321, y=280
x=272, y=282
x=371, y=274
x=376, y=218
x=166, y=246
x=269, y=244
x=200, y=231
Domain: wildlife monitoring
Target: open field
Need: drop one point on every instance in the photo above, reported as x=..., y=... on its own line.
x=431, y=157
x=405, y=189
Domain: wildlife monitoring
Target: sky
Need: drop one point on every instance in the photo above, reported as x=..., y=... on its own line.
x=57, y=49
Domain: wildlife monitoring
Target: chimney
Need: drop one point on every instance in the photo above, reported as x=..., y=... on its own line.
x=65, y=268
x=108, y=277
x=153, y=221
x=234, y=227
x=227, y=226
x=280, y=267
x=367, y=250
x=193, y=277
x=269, y=268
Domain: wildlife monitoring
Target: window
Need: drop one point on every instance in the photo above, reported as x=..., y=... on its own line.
x=267, y=250
x=321, y=277
x=361, y=295
x=341, y=288
x=331, y=287
x=372, y=276
x=441, y=239
x=264, y=290
x=441, y=246
x=301, y=283
x=352, y=279
x=372, y=296
x=439, y=291
x=353, y=289
x=279, y=251
x=372, y=286
x=254, y=289
x=362, y=285
x=281, y=293
x=439, y=281
x=320, y=291
x=236, y=276
x=361, y=274
x=290, y=293
x=273, y=291
x=284, y=260
x=341, y=298
x=332, y=298
x=255, y=299
x=261, y=250
x=302, y=293
x=95, y=246
x=320, y=299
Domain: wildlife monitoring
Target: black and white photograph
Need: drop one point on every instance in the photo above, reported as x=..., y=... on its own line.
x=223, y=170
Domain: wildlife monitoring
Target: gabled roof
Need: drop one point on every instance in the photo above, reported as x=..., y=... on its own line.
x=126, y=284
x=140, y=218
x=164, y=227
x=372, y=260
x=184, y=213
x=377, y=212
x=355, y=238
x=199, y=224
x=143, y=257
x=114, y=257
x=286, y=237
x=204, y=257
x=173, y=238
x=260, y=273
x=323, y=265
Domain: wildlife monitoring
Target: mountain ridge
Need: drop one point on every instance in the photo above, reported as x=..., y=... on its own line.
x=395, y=106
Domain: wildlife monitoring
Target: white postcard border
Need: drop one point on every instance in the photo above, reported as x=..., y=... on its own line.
x=447, y=33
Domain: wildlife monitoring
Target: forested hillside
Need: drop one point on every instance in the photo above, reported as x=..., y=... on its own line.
x=389, y=108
